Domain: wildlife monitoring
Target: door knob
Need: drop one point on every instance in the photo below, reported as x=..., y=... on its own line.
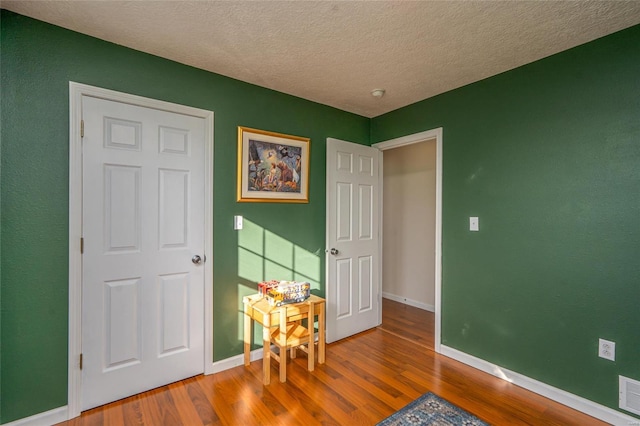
x=196, y=259
x=334, y=251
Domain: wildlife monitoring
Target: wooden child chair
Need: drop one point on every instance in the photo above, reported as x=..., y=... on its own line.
x=291, y=335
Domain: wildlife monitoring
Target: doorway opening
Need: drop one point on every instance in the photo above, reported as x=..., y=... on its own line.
x=411, y=232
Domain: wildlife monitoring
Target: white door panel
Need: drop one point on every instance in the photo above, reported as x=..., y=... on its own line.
x=352, y=229
x=143, y=221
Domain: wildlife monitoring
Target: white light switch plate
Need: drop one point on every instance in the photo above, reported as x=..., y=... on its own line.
x=474, y=225
x=237, y=222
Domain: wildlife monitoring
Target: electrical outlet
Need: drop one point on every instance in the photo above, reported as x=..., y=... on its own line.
x=607, y=349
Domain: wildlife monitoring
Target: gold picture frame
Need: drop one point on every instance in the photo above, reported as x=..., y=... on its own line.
x=272, y=167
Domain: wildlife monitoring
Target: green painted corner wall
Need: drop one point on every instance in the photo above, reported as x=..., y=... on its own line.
x=38, y=61
x=548, y=157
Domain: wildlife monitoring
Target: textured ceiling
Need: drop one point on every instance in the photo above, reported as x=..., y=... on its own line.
x=336, y=53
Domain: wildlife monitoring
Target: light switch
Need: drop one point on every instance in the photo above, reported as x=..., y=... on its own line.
x=474, y=225
x=237, y=222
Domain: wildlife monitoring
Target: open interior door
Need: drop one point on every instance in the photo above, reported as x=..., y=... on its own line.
x=353, y=240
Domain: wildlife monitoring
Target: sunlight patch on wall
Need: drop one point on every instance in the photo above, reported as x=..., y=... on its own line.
x=251, y=237
x=245, y=290
x=250, y=265
x=277, y=271
x=280, y=251
x=307, y=264
x=265, y=255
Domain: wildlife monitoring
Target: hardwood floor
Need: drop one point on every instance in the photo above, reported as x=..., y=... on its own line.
x=408, y=322
x=366, y=378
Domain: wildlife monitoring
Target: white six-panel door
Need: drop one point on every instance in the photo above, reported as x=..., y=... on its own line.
x=353, y=294
x=142, y=225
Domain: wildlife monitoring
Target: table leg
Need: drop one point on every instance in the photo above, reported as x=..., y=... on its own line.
x=321, y=333
x=266, y=350
x=248, y=327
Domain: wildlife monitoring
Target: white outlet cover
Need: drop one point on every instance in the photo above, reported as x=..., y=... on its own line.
x=474, y=224
x=607, y=349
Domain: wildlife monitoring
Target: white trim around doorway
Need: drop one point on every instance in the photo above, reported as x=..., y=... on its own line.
x=76, y=92
x=429, y=135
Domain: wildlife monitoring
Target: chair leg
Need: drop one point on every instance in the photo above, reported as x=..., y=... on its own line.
x=311, y=355
x=283, y=365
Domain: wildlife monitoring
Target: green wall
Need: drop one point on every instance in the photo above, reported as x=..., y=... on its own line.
x=38, y=61
x=548, y=157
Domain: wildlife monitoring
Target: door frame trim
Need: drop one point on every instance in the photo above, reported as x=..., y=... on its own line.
x=425, y=136
x=76, y=92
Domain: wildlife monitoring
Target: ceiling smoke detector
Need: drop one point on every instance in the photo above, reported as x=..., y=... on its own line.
x=377, y=93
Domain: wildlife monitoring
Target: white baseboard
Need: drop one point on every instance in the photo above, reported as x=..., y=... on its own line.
x=47, y=418
x=576, y=402
x=234, y=361
x=409, y=302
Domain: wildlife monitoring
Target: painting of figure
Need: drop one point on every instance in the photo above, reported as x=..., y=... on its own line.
x=275, y=165
x=272, y=167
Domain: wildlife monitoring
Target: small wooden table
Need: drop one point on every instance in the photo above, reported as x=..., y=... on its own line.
x=257, y=308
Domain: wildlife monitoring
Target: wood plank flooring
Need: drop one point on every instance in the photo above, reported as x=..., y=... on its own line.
x=366, y=378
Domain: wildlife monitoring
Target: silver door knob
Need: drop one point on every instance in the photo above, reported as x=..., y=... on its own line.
x=196, y=259
x=334, y=251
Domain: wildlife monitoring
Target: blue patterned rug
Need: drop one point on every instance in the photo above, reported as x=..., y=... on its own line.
x=430, y=409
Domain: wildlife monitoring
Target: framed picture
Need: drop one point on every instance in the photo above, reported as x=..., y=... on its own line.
x=272, y=167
